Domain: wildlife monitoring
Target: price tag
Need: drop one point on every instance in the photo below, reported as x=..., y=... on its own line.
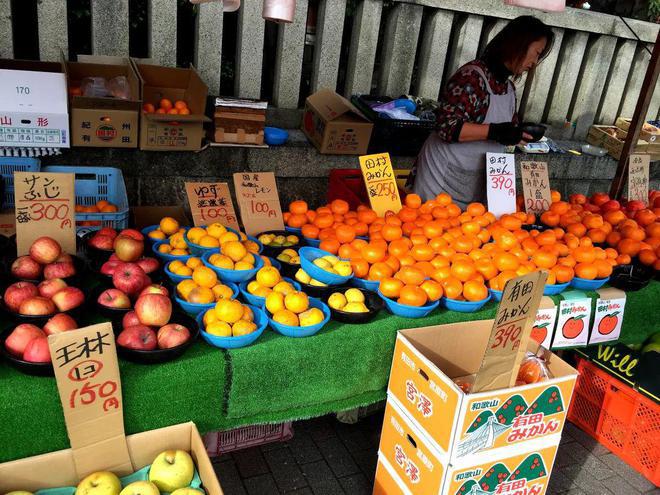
x=536, y=186
x=638, y=178
x=511, y=332
x=211, y=202
x=87, y=374
x=501, y=183
x=45, y=206
x=381, y=183
x=259, y=202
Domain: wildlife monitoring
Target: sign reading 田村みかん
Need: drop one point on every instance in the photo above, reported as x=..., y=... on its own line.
x=211, y=202
x=258, y=201
x=381, y=183
x=45, y=206
x=501, y=183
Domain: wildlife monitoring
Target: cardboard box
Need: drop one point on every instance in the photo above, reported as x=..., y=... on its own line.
x=573, y=320
x=104, y=122
x=33, y=105
x=648, y=132
x=160, y=132
x=334, y=125
x=239, y=120
x=599, y=137
x=425, y=362
x=608, y=315
x=144, y=216
x=545, y=322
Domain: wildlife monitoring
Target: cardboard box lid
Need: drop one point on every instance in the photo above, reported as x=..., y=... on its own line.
x=331, y=106
x=47, y=92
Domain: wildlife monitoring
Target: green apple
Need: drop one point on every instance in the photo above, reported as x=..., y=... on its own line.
x=187, y=491
x=99, y=483
x=140, y=488
x=171, y=470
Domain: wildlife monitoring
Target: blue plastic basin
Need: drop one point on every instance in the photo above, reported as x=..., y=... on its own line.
x=406, y=310
x=290, y=331
x=260, y=319
x=308, y=255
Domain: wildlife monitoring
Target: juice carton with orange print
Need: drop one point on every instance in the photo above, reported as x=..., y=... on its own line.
x=608, y=316
x=573, y=320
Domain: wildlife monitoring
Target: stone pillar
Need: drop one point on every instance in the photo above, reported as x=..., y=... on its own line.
x=329, y=30
x=398, y=56
x=433, y=53
x=465, y=43
x=53, y=29
x=110, y=27
x=615, y=83
x=537, y=97
x=6, y=36
x=362, y=52
x=162, y=31
x=249, y=50
x=208, y=44
x=288, y=65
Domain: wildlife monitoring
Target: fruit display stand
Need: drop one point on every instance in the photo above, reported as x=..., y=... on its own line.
x=278, y=379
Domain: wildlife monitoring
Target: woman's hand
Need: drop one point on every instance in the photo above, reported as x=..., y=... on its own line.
x=508, y=134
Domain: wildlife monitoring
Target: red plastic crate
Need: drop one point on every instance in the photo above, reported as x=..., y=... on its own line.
x=222, y=442
x=620, y=418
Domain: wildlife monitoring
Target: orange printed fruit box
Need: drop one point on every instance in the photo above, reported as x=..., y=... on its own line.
x=462, y=425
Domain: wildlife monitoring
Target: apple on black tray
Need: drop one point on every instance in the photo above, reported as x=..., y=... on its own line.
x=46, y=261
x=31, y=303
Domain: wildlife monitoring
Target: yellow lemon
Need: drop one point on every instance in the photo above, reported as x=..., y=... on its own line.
x=222, y=291
x=333, y=260
x=169, y=225
x=242, y=327
x=242, y=265
x=343, y=268
x=296, y=301
x=209, y=242
x=164, y=248
x=195, y=234
x=234, y=249
x=312, y=316
x=228, y=237
x=284, y=287
x=337, y=300
x=201, y=295
x=322, y=263
x=229, y=310
x=317, y=283
x=219, y=328
x=184, y=287
x=157, y=234
x=286, y=317
x=194, y=262
x=209, y=317
x=222, y=261
x=268, y=276
x=302, y=276
x=354, y=295
x=355, y=307
x=262, y=291
x=204, y=276
x=216, y=230
x=275, y=302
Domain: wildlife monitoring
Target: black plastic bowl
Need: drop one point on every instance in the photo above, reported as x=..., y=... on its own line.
x=95, y=256
x=26, y=367
x=163, y=355
x=38, y=320
x=537, y=131
x=288, y=269
x=157, y=277
x=273, y=251
x=372, y=301
x=315, y=290
x=631, y=278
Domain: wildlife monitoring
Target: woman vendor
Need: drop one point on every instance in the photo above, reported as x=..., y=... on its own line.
x=477, y=114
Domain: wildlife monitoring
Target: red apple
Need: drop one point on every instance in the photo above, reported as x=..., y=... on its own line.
x=149, y=265
x=172, y=335
x=129, y=278
x=138, y=337
x=130, y=319
x=114, y=298
x=610, y=205
x=102, y=242
x=155, y=289
x=48, y=288
x=37, y=351
x=153, y=309
x=59, y=323
x=127, y=248
x=45, y=250
x=59, y=269
x=20, y=337
x=599, y=198
x=133, y=234
x=68, y=298
x=109, y=267
x=26, y=268
x=108, y=231
x=37, y=306
x=64, y=258
x=19, y=292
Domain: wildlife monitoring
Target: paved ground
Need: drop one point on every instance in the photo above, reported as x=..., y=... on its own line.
x=326, y=457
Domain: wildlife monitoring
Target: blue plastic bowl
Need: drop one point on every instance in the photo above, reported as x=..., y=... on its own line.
x=195, y=309
x=290, y=331
x=362, y=283
x=235, y=276
x=197, y=250
x=312, y=242
x=173, y=276
x=145, y=232
x=586, y=284
x=165, y=258
x=260, y=319
x=554, y=289
x=308, y=255
x=407, y=311
x=464, y=306
x=294, y=230
x=274, y=136
x=251, y=238
x=496, y=294
x=257, y=300
x=275, y=263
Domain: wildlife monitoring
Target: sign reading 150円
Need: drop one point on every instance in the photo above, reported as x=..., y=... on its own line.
x=380, y=181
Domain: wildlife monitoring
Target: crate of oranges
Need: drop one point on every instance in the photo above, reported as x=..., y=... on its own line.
x=203, y=289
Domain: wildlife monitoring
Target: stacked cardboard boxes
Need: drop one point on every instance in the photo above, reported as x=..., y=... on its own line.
x=239, y=121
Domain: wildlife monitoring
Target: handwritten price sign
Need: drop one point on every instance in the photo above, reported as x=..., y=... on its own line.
x=638, y=178
x=501, y=183
x=511, y=331
x=87, y=374
x=258, y=201
x=536, y=186
x=45, y=206
x=211, y=202
x=380, y=181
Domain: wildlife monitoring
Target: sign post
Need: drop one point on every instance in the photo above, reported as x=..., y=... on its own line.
x=381, y=183
x=258, y=201
x=501, y=183
x=211, y=202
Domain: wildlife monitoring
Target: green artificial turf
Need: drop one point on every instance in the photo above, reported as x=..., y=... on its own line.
x=277, y=379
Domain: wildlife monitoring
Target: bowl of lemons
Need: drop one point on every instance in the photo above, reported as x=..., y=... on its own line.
x=324, y=266
x=353, y=305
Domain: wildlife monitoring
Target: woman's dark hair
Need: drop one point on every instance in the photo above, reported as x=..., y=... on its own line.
x=512, y=42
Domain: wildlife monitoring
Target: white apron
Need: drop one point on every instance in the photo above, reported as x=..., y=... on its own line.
x=459, y=169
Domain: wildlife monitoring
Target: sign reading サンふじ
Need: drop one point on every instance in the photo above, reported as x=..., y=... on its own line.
x=380, y=181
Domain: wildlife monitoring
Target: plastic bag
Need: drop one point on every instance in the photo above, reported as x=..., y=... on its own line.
x=96, y=87
x=93, y=87
x=118, y=87
x=533, y=369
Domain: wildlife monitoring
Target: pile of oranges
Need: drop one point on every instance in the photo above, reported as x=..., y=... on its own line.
x=165, y=106
x=233, y=245
x=203, y=287
x=101, y=206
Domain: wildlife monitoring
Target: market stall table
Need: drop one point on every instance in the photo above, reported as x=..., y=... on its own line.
x=277, y=379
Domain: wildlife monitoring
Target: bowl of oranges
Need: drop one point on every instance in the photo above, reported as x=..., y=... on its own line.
x=202, y=290
x=234, y=263
x=167, y=251
x=231, y=324
x=465, y=306
x=296, y=314
x=268, y=279
x=353, y=305
x=178, y=271
x=588, y=284
x=410, y=293
x=324, y=266
x=549, y=289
